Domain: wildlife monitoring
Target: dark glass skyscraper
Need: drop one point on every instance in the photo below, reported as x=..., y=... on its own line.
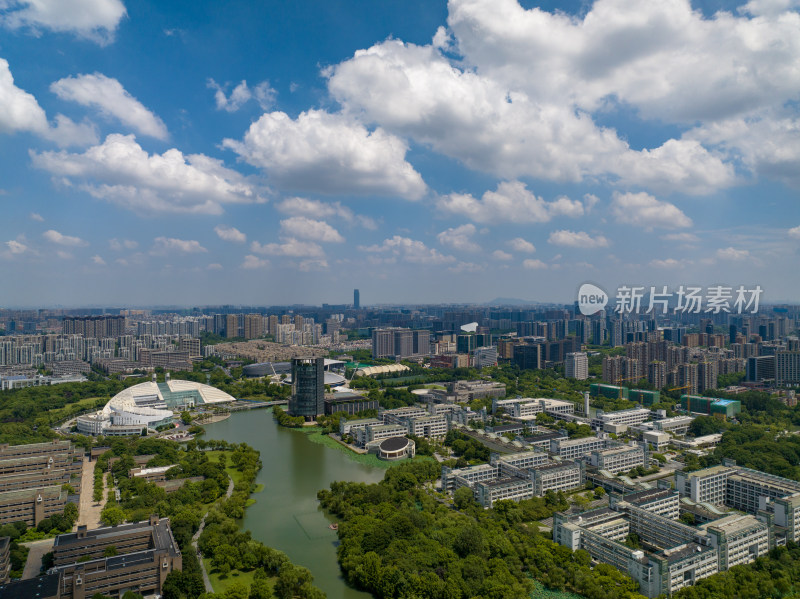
x=308, y=388
x=356, y=299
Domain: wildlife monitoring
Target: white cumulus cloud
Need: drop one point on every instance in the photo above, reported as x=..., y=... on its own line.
x=16, y=247
x=459, y=238
x=19, y=111
x=107, y=95
x=534, y=264
x=501, y=255
x=301, y=227
x=123, y=173
x=505, y=127
x=731, y=253
x=795, y=232
x=643, y=210
x=241, y=94
x=54, y=236
x=291, y=247
x=667, y=263
x=305, y=207
x=96, y=20
x=511, y=202
x=576, y=239
x=409, y=250
x=230, y=234
x=253, y=262
x=521, y=245
x=329, y=153
x=170, y=245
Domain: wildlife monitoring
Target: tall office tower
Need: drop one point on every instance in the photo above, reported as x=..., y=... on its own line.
x=356, y=299
x=382, y=343
x=231, y=326
x=253, y=326
x=598, y=331
x=787, y=367
x=422, y=343
x=308, y=388
x=761, y=368
x=403, y=343
x=465, y=343
x=576, y=366
x=528, y=356
x=732, y=334
x=657, y=374
x=582, y=331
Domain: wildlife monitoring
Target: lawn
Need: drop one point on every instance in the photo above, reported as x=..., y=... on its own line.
x=220, y=584
x=214, y=457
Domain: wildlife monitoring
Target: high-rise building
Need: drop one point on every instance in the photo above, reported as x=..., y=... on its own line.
x=707, y=374
x=356, y=299
x=687, y=377
x=576, y=366
x=598, y=332
x=382, y=343
x=528, y=356
x=761, y=368
x=657, y=374
x=98, y=327
x=273, y=325
x=231, y=326
x=400, y=343
x=787, y=368
x=253, y=326
x=308, y=388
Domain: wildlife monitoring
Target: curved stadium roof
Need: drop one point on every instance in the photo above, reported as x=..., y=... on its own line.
x=171, y=394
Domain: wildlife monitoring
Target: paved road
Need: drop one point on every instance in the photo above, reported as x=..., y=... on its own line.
x=206, y=579
x=88, y=509
x=34, y=563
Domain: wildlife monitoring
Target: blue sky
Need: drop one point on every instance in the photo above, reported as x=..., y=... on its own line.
x=201, y=152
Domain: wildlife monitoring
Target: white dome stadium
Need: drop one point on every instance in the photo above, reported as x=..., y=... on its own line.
x=149, y=405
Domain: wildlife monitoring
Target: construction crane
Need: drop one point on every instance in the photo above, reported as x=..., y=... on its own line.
x=621, y=380
x=688, y=396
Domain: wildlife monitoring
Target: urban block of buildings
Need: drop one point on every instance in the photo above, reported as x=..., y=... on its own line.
x=145, y=553
x=748, y=512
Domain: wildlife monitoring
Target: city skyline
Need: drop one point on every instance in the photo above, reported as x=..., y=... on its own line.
x=423, y=153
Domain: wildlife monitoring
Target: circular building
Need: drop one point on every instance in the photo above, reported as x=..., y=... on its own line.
x=148, y=405
x=396, y=448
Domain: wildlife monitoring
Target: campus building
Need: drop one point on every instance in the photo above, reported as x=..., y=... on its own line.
x=615, y=422
x=677, y=555
x=146, y=553
x=570, y=449
x=618, y=459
